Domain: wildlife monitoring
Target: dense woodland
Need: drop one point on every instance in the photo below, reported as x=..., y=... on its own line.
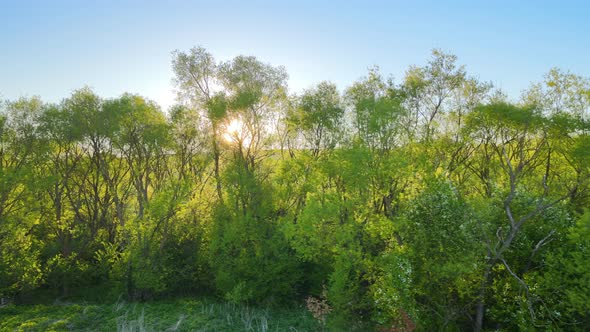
x=431, y=202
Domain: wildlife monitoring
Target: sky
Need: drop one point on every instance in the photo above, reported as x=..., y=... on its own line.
x=50, y=48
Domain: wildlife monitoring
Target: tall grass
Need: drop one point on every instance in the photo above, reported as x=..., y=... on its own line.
x=174, y=315
x=217, y=317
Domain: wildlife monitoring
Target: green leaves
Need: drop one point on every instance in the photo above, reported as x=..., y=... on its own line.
x=195, y=74
x=431, y=203
x=504, y=115
x=378, y=109
x=217, y=107
x=318, y=117
x=564, y=284
x=442, y=246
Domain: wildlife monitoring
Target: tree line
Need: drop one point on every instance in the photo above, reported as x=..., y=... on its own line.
x=433, y=203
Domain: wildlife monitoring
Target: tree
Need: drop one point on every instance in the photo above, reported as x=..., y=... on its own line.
x=440, y=243
x=21, y=148
x=521, y=146
x=378, y=109
x=252, y=89
x=429, y=90
x=318, y=117
x=197, y=77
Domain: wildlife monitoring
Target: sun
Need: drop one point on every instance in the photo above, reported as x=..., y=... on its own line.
x=235, y=132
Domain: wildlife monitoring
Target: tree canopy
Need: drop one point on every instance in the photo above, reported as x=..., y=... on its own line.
x=433, y=203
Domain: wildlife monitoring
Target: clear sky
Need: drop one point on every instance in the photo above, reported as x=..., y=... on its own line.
x=49, y=48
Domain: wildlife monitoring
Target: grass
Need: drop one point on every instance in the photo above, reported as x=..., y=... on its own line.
x=177, y=315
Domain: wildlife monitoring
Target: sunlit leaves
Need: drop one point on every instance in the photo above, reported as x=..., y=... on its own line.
x=318, y=116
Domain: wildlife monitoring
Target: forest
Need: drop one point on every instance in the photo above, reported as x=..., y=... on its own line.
x=429, y=202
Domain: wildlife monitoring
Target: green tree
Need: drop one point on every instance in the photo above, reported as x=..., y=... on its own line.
x=21, y=148
x=319, y=118
x=430, y=90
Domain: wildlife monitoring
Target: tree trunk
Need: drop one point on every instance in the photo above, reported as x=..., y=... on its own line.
x=479, y=314
x=216, y=160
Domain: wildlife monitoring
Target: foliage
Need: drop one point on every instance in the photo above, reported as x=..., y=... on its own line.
x=433, y=203
x=177, y=315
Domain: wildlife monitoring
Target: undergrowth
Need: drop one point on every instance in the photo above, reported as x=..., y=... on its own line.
x=178, y=315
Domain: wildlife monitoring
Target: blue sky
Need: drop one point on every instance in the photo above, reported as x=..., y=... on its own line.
x=49, y=48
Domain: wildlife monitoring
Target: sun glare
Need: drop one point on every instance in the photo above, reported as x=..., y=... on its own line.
x=234, y=132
